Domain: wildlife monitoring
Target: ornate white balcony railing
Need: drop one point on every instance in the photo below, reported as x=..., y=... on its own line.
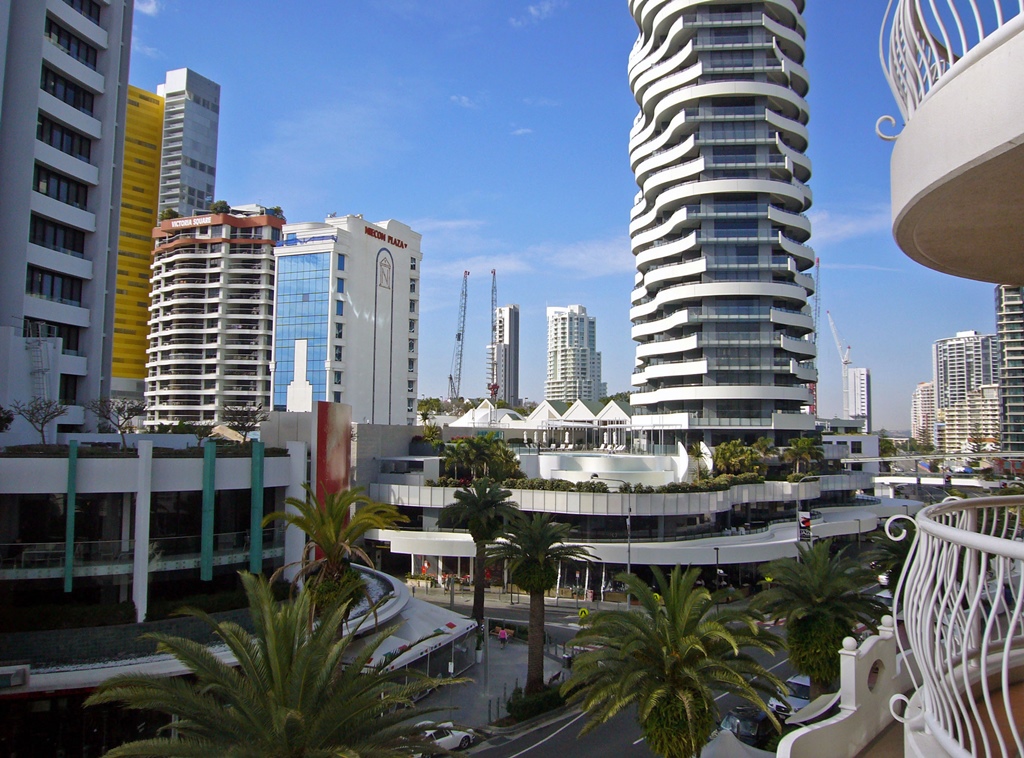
x=922, y=40
x=962, y=598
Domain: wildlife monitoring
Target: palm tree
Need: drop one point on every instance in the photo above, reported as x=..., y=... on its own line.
x=333, y=531
x=890, y=556
x=670, y=659
x=802, y=450
x=733, y=457
x=482, y=508
x=766, y=449
x=819, y=596
x=534, y=546
x=696, y=452
x=289, y=695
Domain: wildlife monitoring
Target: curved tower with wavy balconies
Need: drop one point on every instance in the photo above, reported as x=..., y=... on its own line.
x=725, y=338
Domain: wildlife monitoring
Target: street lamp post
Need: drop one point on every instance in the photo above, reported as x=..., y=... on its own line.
x=629, y=529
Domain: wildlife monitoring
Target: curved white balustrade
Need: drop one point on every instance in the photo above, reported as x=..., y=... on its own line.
x=962, y=599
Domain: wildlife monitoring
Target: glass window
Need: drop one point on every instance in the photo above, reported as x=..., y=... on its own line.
x=341, y=262
x=412, y=264
x=60, y=187
x=63, y=138
x=71, y=44
x=337, y=377
x=74, y=95
x=412, y=346
x=412, y=285
x=337, y=397
x=303, y=311
x=339, y=330
x=340, y=286
x=412, y=325
x=59, y=237
x=338, y=352
x=339, y=308
x=412, y=365
x=412, y=306
x=88, y=8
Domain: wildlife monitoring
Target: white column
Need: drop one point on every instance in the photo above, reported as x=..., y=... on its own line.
x=140, y=560
x=294, y=539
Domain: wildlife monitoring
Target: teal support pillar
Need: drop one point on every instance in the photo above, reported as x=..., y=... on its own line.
x=209, y=493
x=69, y=515
x=256, y=511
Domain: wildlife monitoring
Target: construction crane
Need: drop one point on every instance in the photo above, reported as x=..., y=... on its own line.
x=814, y=334
x=455, y=377
x=845, y=358
x=492, y=369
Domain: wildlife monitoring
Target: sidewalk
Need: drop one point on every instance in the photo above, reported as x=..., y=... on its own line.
x=493, y=599
x=477, y=703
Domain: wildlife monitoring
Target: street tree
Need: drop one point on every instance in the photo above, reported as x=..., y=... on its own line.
x=802, y=450
x=534, y=547
x=244, y=419
x=297, y=691
x=819, y=596
x=40, y=413
x=671, y=658
x=6, y=419
x=482, y=508
x=118, y=412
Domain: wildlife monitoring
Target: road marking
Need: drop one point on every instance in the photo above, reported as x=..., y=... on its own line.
x=637, y=742
x=771, y=669
x=554, y=733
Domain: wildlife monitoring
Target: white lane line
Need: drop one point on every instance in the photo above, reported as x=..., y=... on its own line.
x=771, y=669
x=557, y=731
x=637, y=742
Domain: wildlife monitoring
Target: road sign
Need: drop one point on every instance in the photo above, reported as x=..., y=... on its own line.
x=583, y=613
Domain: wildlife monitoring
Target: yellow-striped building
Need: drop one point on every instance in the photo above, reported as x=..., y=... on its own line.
x=139, y=195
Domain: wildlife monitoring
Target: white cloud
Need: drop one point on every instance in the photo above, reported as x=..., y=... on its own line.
x=828, y=227
x=463, y=102
x=537, y=12
x=140, y=48
x=541, y=102
x=521, y=131
x=147, y=7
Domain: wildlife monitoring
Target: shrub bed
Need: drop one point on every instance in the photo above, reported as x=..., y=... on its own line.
x=522, y=707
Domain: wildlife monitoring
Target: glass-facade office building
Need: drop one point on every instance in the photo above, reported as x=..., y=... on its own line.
x=302, y=313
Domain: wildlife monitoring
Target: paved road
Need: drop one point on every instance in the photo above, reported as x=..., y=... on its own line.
x=617, y=739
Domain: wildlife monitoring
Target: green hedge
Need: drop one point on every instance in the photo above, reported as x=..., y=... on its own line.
x=522, y=707
x=717, y=484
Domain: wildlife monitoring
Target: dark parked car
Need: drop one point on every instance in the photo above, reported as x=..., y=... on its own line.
x=750, y=725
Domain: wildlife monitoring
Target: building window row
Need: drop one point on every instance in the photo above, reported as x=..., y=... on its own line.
x=71, y=44
x=63, y=239
x=341, y=262
x=340, y=287
x=63, y=138
x=339, y=330
x=60, y=288
x=66, y=91
x=66, y=332
x=60, y=187
x=88, y=8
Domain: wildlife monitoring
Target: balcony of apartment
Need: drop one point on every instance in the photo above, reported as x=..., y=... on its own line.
x=956, y=165
x=963, y=605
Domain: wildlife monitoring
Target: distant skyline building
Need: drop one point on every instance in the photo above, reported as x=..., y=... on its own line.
x=347, y=318
x=718, y=148
x=212, y=311
x=1010, y=332
x=963, y=363
x=574, y=364
x=971, y=425
x=922, y=413
x=503, y=356
x=860, y=395
x=143, y=128
x=188, y=164
x=63, y=88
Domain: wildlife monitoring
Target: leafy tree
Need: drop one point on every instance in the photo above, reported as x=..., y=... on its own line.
x=671, y=659
x=118, y=412
x=482, y=508
x=819, y=596
x=201, y=429
x=290, y=696
x=432, y=434
x=766, y=449
x=6, y=419
x=620, y=396
x=40, y=413
x=890, y=556
x=244, y=419
x=429, y=407
x=733, y=457
x=275, y=210
x=333, y=526
x=534, y=546
x=220, y=206
x=168, y=213
x=886, y=447
x=696, y=453
x=802, y=450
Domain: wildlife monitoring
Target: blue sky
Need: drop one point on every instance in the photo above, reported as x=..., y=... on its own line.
x=499, y=129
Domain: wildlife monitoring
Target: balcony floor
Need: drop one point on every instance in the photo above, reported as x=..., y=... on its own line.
x=888, y=744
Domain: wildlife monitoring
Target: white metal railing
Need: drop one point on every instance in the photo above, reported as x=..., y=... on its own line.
x=962, y=598
x=922, y=40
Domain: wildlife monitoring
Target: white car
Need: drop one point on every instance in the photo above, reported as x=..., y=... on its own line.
x=446, y=736
x=797, y=695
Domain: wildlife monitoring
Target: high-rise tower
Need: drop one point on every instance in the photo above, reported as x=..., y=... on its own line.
x=724, y=334
x=503, y=355
x=63, y=87
x=963, y=363
x=1010, y=331
x=188, y=165
x=574, y=365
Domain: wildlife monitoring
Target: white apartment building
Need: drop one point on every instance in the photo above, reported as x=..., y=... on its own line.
x=971, y=425
x=63, y=91
x=503, y=355
x=922, y=412
x=188, y=164
x=859, y=389
x=347, y=318
x=718, y=231
x=1010, y=332
x=211, y=314
x=963, y=363
x=574, y=364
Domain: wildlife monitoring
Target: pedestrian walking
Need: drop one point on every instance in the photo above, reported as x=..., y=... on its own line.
x=502, y=636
